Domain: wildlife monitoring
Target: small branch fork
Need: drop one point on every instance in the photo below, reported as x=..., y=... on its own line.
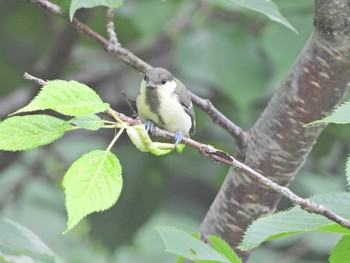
x=112, y=45
x=224, y=158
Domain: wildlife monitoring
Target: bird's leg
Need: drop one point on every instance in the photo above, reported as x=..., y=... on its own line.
x=178, y=137
x=149, y=125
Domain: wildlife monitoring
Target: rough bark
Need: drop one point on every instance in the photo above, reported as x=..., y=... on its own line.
x=279, y=143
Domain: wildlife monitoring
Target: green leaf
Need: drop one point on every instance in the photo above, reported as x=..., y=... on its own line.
x=341, y=251
x=27, y=132
x=77, y=4
x=69, y=98
x=341, y=115
x=89, y=122
x=93, y=183
x=17, y=242
x=266, y=7
x=222, y=247
x=180, y=259
x=184, y=245
x=180, y=147
x=139, y=137
x=297, y=220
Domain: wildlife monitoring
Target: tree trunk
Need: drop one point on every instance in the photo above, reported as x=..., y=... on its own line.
x=278, y=142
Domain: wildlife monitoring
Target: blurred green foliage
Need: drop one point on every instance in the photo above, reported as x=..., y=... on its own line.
x=234, y=57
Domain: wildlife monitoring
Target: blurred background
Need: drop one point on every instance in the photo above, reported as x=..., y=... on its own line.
x=232, y=56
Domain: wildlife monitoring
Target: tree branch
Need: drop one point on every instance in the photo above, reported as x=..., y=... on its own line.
x=129, y=58
x=224, y=158
x=219, y=118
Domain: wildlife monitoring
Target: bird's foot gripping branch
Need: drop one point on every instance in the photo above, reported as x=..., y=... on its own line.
x=94, y=181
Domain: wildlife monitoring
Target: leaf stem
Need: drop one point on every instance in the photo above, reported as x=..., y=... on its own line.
x=109, y=122
x=115, y=139
x=114, y=126
x=72, y=128
x=112, y=113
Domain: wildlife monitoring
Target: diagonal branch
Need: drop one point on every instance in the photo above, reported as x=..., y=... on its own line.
x=219, y=118
x=129, y=58
x=224, y=158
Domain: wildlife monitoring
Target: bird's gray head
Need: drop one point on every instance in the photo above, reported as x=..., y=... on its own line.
x=157, y=77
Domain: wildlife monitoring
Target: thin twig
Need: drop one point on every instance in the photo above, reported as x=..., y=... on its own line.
x=111, y=113
x=36, y=80
x=115, y=139
x=224, y=158
x=112, y=34
x=124, y=54
x=219, y=118
x=129, y=102
x=129, y=58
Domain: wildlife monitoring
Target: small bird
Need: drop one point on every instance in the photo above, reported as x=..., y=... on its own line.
x=164, y=101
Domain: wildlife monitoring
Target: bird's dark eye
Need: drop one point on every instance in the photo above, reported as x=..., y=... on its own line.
x=145, y=77
x=163, y=81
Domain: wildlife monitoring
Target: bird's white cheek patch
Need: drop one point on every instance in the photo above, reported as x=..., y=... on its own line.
x=168, y=87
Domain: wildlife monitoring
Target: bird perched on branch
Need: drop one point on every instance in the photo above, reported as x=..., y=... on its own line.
x=164, y=101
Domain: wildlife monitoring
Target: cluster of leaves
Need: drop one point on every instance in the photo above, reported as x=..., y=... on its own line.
x=94, y=181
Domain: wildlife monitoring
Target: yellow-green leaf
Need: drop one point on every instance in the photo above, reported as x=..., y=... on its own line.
x=69, y=98
x=93, y=183
x=89, y=122
x=27, y=132
x=341, y=251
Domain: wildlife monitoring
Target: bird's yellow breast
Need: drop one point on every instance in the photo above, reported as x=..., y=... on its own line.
x=170, y=114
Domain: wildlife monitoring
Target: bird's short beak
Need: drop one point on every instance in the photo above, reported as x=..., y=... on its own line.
x=150, y=84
